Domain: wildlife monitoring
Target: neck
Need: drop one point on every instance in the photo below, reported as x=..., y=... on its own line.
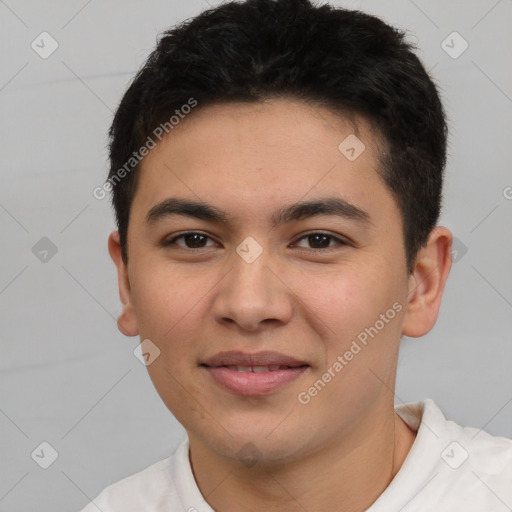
x=344, y=475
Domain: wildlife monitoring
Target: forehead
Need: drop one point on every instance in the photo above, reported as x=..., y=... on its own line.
x=250, y=156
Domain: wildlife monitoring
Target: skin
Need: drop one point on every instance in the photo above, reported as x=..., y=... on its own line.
x=342, y=449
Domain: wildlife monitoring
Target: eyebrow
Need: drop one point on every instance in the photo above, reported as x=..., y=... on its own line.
x=294, y=212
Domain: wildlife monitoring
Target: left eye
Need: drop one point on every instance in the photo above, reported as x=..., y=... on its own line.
x=321, y=240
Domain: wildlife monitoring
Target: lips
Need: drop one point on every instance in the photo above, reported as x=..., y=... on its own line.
x=244, y=359
x=255, y=374
x=258, y=369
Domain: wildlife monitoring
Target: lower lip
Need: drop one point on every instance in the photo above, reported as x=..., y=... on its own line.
x=253, y=383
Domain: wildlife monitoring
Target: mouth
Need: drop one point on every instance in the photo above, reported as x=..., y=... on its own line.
x=255, y=374
x=258, y=369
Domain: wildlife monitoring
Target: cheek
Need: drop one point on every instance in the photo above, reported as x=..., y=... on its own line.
x=167, y=306
x=349, y=305
x=163, y=301
x=342, y=300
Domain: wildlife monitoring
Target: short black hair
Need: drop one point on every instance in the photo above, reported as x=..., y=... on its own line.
x=348, y=61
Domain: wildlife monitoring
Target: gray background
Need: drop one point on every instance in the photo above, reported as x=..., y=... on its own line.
x=68, y=377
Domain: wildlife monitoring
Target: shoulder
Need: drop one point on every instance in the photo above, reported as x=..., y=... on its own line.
x=482, y=451
x=452, y=467
x=151, y=489
x=488, y=452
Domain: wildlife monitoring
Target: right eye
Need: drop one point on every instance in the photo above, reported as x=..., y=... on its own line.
x=190, y=240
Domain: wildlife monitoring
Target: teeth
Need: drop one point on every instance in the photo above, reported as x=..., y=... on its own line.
x=258, y=369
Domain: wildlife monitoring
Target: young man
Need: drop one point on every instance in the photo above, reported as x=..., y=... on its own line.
x=276, y=170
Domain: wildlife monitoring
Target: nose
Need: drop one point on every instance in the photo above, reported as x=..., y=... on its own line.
x=253, y=296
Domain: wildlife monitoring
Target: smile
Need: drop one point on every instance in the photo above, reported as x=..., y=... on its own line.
x=257, y=369
x=255, y=374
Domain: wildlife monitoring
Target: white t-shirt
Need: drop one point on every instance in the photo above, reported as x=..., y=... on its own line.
x=448, y=469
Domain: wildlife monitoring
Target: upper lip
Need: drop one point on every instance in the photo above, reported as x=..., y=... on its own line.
x=267, y=358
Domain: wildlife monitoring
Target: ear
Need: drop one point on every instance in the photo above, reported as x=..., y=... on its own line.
x=127, y=320
x=426, y=283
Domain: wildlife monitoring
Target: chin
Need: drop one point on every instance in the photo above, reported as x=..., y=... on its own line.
x=258, y=445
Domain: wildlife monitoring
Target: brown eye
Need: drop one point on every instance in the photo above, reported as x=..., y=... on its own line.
x=191, y=240
x=319, y=240
x=194, y=241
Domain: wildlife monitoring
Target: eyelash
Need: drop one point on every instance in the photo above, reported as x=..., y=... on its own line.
x=341, y=242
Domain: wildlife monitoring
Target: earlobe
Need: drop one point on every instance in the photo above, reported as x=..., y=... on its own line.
x=127, y=320
x=426, y=283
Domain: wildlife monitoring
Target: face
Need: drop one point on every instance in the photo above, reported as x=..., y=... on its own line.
x=277, y=324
